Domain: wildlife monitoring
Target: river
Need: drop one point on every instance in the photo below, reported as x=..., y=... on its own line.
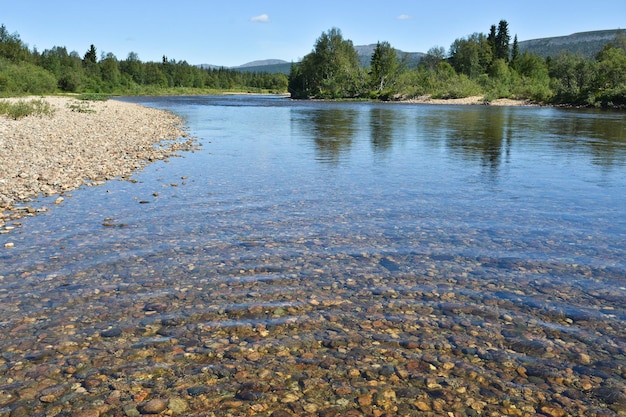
x=324, y=258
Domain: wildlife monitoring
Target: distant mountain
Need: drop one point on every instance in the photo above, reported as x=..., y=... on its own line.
x=278, y=66
x=365, y=55
x=263, y=63
x=271, y=66
x=208, y=66
x=586, y=44
x=364, y=52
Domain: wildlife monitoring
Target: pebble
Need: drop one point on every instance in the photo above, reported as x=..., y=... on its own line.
x=196, y=391
x=177, y=405
x=154, y=406
x=131, y=411
x=113, y=332
x=51, y=394
x=553, y=411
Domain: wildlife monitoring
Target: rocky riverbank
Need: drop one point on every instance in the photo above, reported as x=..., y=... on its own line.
x=80, y=143
x=427, y=99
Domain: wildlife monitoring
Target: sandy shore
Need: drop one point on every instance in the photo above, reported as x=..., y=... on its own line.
x=48, y=155
x=470, y=100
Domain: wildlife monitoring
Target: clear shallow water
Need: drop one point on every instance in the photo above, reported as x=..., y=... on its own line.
x=326, y=237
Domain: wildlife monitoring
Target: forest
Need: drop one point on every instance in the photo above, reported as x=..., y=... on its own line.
x=487, y=65
x=481, y=64
x=30, y=72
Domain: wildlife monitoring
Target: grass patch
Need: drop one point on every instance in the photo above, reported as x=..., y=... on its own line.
x=22, y=108
x=93, y=97
x=80, y=106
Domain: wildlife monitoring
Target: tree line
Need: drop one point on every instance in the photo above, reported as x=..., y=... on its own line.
x=489, y=65
x=25, y=71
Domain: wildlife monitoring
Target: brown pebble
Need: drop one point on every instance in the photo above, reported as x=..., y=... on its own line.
x=553, y=411
x=154, y=406
x=289, y=398
x=231, y=404
x=422, y=406
x=365, y=400
x=92, y=383
x=50, y=394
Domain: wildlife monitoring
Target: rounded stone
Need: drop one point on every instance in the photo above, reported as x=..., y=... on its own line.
x=154, y=406
x=177, y=405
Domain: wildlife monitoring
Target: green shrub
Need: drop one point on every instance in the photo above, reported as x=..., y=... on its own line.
x=457, y=86
x=80, y=106
x=25, y=78
x=21, y=108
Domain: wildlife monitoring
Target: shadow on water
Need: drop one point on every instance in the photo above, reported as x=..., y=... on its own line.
x=383, y=122
x=332, y=131
x=481, y=136
x=475, y=134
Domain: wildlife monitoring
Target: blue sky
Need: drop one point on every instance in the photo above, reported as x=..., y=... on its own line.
x=233, y=32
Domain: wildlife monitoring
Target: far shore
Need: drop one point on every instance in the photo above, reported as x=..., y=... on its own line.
x=473, y=100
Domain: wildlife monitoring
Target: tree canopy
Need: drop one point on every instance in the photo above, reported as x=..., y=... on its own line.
x=479, y=64
x=23, y=71
x=331, y=70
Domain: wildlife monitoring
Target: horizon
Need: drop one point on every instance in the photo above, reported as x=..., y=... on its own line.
x=226, y=35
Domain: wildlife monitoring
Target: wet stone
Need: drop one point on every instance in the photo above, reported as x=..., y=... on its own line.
x=154, y=406
x=611, y=395
x=114, y=332
x=51, y=394
x=158, y=307
x=177, y=406
x=197, y=390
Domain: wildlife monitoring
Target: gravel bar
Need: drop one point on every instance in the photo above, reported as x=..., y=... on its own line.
x=80, y=143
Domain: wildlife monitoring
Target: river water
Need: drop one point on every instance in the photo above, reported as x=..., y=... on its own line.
x=317, y=258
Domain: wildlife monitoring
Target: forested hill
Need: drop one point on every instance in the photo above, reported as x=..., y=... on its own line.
x=365, y=55
x=585, y=44
x=364, y=52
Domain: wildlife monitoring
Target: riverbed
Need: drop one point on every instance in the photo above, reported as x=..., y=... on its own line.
x=329, y=259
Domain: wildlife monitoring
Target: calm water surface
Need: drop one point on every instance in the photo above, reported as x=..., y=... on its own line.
x=306, y=240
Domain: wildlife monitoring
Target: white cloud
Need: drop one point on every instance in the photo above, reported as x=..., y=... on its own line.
x=404, y=17
x=262, y=18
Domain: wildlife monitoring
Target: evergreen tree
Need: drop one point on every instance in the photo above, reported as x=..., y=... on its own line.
x=502, y=41
x=491, y=40
x=12, y=47
x=91, y=57
x=514, y=52
x=384, y=66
